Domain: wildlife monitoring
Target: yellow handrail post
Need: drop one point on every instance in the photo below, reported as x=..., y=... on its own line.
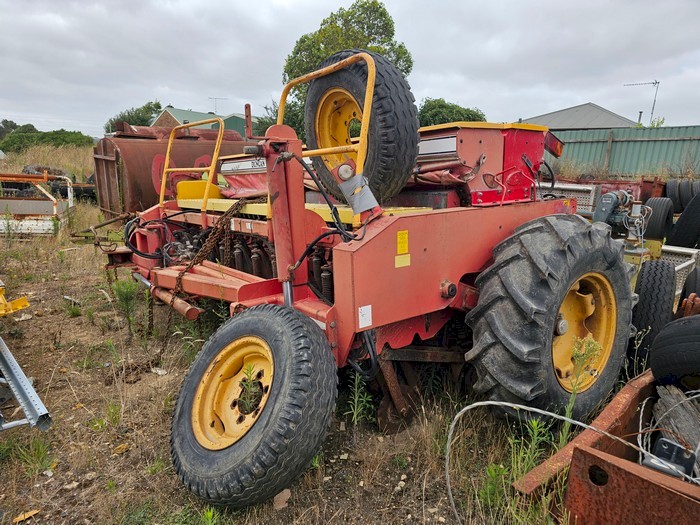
x=211, y=169
x=361, y=146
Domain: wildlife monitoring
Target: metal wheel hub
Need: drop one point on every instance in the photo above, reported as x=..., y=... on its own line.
x=584, y=332
x=232, y=393
x=335, y=115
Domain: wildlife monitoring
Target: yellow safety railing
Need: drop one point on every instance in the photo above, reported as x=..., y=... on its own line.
x=359, y=147
x=211, y=169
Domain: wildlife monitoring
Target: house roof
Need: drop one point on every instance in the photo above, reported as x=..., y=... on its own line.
x=583, y=116
x=186, y=114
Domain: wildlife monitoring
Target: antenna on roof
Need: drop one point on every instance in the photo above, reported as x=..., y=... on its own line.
x=216, y=99
x=655, y=83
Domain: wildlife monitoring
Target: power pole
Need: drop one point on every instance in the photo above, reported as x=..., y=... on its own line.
x=216, y=99
x=655, y=83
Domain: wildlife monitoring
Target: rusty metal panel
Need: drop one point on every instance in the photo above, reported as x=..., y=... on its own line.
x=606, y=489
x=128, y=170
x=620, y=418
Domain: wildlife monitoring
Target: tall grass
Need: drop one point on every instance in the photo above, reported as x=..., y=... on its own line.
x=74, y=160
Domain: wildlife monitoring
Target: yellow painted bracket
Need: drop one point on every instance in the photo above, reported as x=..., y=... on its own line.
x=359, y=146
x=8, y=307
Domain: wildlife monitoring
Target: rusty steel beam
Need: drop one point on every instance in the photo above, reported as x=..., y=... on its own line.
x=426, y=354
x=620, y=418
x=603, y=488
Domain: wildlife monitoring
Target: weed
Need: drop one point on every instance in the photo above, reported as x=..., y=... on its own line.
x=111, y=485
x=8, y=449
x=251, y=390
x=73, y=310
x=493, y=492
x=90, y=314
x=210, y=516
x=361, y=407
x=158, y=465
x=113, y=416
x=125, y=293
x=316, y=461
x=400, y=460
x=36, y=456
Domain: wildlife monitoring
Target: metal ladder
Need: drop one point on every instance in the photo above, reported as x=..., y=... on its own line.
x=13, y=378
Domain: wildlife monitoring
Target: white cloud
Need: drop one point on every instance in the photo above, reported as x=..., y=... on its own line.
x=74, y=64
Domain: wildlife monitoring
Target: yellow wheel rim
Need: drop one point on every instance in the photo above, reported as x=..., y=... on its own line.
x=584, y=332
x=232, y=393
x=335, y=114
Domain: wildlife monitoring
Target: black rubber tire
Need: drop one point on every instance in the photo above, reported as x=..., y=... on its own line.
x=685, y=192
x=656, y=288
x=290, y=428
x=519, y=300
x=673, y=194
x=696, y=187
x=393, y=130
x=661, y=221
x=676, y=350
x=686, y=231
x=692, y=283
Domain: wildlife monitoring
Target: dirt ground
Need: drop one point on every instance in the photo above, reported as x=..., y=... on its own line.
x=106, y=458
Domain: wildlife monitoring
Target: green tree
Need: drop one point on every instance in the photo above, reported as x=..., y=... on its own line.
x=437, y=111
x=141, y=116
x=7, y=126
x=366, y=24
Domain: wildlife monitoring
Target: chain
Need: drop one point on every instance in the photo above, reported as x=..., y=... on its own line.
x=221, y=229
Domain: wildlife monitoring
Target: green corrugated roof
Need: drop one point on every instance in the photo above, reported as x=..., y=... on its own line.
x=632, y=151
x=187, y=114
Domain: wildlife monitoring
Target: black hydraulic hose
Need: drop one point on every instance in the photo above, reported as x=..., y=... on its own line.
x=311, y=246
x=372, y=351
x=127, y=241
x=334, y=211
x=551, y=173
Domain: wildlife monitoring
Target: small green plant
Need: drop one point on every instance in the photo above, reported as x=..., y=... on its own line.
x=90, y=314
x=111, y=485
x=113, y=416
x=492, y=493
x=210, y=516
x=316, y=461
x=251, y=390
x=158, y=465
x=360, y=403
x=73, y=310
x=8, y=448
x=125, y=294
x=400, y=460
x=36, y=456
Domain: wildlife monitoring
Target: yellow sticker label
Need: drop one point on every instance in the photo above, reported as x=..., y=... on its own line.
x=401, y=261
x=402, y=242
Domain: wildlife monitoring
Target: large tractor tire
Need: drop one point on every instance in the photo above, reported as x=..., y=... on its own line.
x=661, y=221
x=254, y=407
x=656, y=287
x=686, y=231
x=334, y=110
x=675, y=353
x=555, y=283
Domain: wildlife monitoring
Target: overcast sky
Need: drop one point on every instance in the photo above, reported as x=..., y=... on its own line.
x=74, y=64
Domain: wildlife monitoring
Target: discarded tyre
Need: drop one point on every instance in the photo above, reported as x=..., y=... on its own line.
x=692, y=283
x=675, y=353
x=555, y=284
x=686, y=231
x=685, y=192
x=333, y=109
x=661, y=221
x=673, y=193
x=656, y=287
x=254, y=407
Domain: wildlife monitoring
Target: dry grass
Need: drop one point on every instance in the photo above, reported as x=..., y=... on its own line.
x=76, y=161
